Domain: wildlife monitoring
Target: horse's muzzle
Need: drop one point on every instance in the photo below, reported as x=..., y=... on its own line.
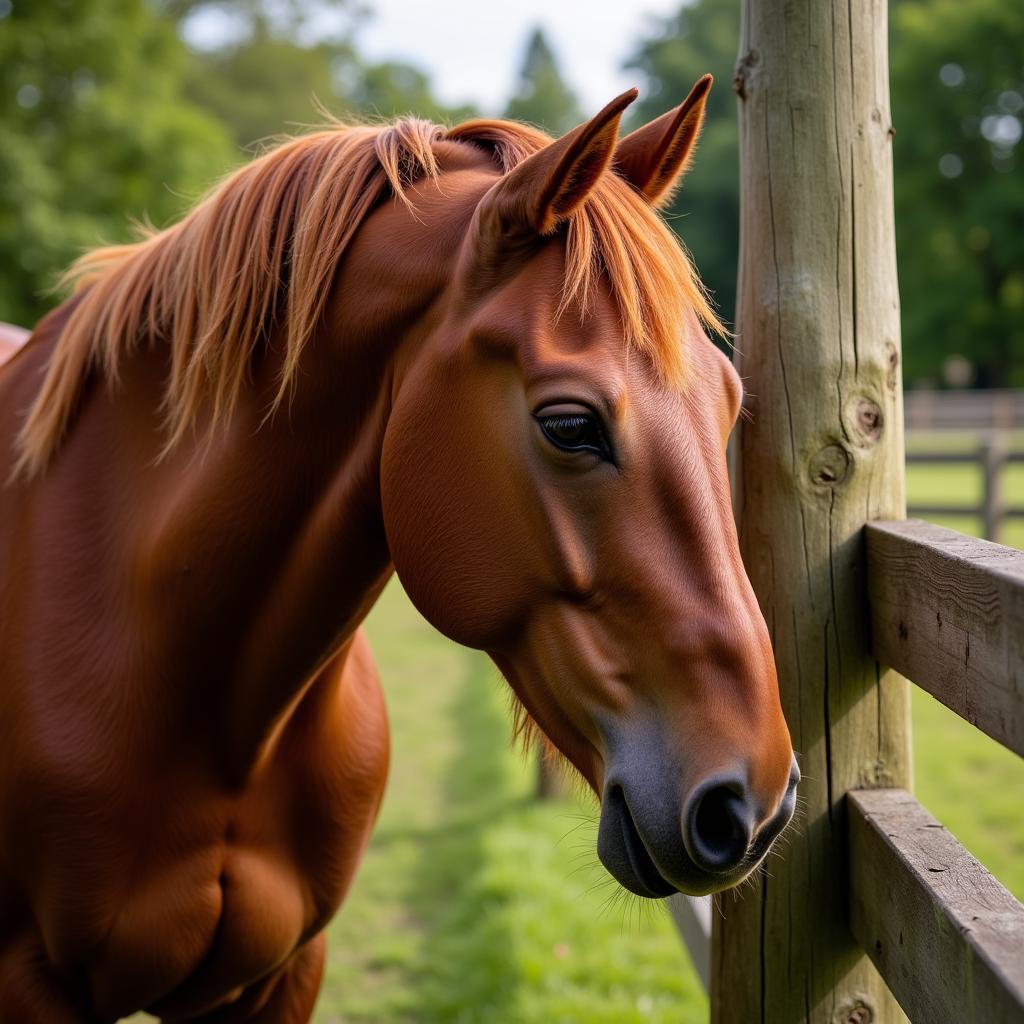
x=715, y=843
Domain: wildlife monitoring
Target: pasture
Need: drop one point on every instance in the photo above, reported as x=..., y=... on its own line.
x=476, y=903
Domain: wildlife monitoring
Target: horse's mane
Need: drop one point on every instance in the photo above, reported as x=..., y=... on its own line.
x=259, y=254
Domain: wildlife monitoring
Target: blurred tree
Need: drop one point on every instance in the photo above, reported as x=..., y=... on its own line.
x=542, y=97
x=274, y=63
x=264, y=85
x=958, y=103
x=701, y=37
x=300, y=21
x=957, y=83
x=106, y=115
x=391, y=88
x=93, y=131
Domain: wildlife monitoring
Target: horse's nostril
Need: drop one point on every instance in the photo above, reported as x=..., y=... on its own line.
x=718, y=825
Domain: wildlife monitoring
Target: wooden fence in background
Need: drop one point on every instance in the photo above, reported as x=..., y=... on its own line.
x=991, y=457
x=964, y=410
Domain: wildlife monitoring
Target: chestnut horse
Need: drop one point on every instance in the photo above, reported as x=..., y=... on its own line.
x=474, y=356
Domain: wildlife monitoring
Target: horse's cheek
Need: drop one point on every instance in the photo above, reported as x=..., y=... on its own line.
x=450, y=513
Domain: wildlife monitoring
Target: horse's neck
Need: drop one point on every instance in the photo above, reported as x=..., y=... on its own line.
x=232, y=570
x=322, y=536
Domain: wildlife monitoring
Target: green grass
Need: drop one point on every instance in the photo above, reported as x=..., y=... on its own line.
x=474, y=902
x=970, y=783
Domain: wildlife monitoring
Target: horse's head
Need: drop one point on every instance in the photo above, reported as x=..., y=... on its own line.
x=555, y=492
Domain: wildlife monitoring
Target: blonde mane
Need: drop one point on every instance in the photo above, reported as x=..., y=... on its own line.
x=259, y=253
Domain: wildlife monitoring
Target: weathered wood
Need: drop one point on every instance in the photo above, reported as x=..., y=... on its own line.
x=823, y=453
x=692, y=917
x=948, y=612
x=946, y=936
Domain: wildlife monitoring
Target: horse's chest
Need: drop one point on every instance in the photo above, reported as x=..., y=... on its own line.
x=168, y=893
x=176, y=901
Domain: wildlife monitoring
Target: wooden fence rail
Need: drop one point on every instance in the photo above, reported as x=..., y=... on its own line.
x=947, y=611
x=945, y=935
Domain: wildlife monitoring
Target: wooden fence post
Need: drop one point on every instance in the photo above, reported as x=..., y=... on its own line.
x=818, y=348
x=992, y=460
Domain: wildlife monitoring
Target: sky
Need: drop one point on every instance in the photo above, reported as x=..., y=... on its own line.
x=473, y=50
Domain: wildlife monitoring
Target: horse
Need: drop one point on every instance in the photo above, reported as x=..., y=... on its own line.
x=472, y=356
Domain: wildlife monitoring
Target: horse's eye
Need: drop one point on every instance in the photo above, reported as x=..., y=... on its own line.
x=575, y=432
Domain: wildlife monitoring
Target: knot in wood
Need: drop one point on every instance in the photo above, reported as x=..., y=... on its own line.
x=830, y=466
x=742, y=73
x=869, y=420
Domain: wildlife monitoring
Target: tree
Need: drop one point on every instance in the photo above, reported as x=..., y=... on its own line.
x=106, y=116
x=699, y=38
x=391, y=88
x=958, y=103
x=263, y=86
x=957, y=84
x=542, y=97
x=94, y=131
x=273, y=73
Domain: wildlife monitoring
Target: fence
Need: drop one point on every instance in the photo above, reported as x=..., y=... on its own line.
x=991, y=458
x=1001, y=410
x=874, y=910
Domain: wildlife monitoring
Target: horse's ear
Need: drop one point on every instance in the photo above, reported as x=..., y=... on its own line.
x=548, y=187
x=653, y=158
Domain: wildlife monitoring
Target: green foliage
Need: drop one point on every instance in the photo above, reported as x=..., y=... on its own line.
x=960, y=229
x=266, y=86
x=542, y=98
x=392, y=88
x=267, y=82
x=93, y=130
x=701, y=37
x=958, y=101
x=107, y=117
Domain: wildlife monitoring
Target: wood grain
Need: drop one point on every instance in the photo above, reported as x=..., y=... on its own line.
x=818, y=348
x=948, y=612
x=946, y=936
